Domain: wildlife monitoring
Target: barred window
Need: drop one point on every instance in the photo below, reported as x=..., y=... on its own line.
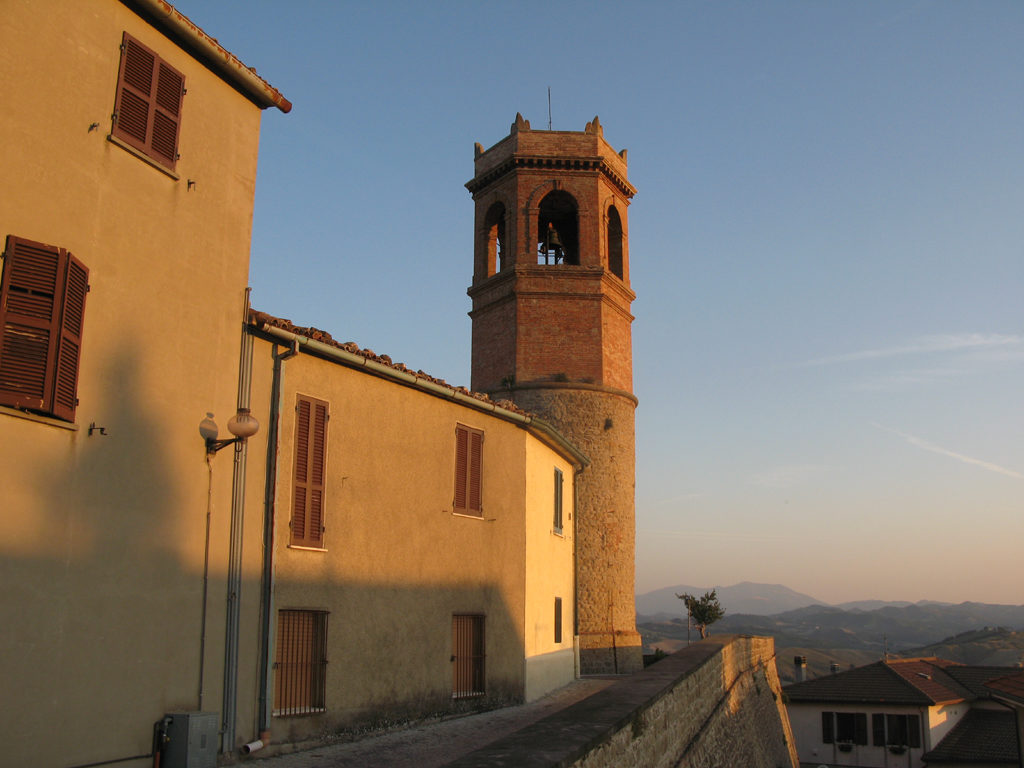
x=300, y=662
x=467, y=656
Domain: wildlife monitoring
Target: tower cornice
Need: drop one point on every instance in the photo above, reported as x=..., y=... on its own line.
x=542, y=163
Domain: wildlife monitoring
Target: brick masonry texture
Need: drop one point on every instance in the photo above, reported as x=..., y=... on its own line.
x=716, y=704
x=555, y=339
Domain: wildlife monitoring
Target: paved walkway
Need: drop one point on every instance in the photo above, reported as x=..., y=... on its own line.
x=436, y=743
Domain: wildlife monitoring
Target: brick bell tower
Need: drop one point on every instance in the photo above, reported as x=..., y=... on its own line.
x=551, y=332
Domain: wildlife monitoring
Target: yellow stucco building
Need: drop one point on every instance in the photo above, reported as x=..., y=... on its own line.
x=384, y=545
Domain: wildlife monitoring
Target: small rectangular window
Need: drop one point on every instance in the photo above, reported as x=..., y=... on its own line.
x=558, y=619
x=558, y=500
x=42, y=308
x=300, y=663
x=147, y=108
x=309, y=484
x=469, y=444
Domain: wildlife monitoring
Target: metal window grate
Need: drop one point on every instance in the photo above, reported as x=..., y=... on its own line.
x=467, y=656
x=300, y=663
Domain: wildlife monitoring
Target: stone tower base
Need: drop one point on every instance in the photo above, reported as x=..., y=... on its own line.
x=606, y=653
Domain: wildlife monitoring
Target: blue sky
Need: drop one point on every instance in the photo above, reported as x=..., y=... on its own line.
x=827, y=248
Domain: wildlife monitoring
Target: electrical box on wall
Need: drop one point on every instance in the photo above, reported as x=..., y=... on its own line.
x=191, y=740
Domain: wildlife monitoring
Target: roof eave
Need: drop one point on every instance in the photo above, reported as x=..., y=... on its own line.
x=206, y=49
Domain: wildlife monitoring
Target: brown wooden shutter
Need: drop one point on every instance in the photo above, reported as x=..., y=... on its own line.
x=476, y=455
x=147, y=111
x=65, y=390
x=42, y=305
x=461, y=467
x=310, y=467
x=468, y=470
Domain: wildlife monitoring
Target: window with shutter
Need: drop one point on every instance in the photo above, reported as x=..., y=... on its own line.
x=147, y=108
x=307, y=524
x=42, y=307
x=469, y=448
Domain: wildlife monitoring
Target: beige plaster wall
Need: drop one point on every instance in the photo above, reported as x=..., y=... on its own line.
x=397, y=563
x=549, y=573
x=102, y=537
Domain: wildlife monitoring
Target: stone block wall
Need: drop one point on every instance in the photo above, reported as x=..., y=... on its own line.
x=716, y=704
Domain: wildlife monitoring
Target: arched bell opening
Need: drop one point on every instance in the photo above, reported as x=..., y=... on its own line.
x=558, y=229
x=615, y=243
x=494, y=224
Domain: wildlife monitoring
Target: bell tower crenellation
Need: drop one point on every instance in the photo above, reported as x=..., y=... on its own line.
x=551, y=331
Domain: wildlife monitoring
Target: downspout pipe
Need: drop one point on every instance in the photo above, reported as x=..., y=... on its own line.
x=234, y=592
x=267, y=578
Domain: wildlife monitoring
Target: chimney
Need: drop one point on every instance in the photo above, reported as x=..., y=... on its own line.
x=800, y=665
x=833, y=668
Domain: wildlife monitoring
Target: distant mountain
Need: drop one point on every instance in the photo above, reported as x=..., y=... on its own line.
x=991, y=646
x=827, y=628
x=746, y=598
x=874, y=605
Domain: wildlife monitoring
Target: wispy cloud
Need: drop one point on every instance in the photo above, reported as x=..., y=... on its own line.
x=925, y=445
x=924, y=345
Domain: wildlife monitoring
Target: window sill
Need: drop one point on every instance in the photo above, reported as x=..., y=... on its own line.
x=7, y=411
x=558, y=532
x=307, y=549
x=468, y=517
x=142, y=156
x=299, y=711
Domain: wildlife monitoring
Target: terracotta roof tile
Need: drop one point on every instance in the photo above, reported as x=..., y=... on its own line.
x=258, y=319
x=1009, y=687
x=899, y=681
x=981, y=736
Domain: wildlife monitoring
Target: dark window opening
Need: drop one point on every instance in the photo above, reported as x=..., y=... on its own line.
x=467, y=656
x=902, y=731
x=844, y=727
x=300, y=663
x=42, y=307
x=615, y=243
x=558, y=230
x=495, y=226
x=558, y=619
x=558, y=500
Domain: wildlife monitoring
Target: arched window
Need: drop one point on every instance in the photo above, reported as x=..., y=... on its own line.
x=494, y=223
x=558, y=230
x=614, y=242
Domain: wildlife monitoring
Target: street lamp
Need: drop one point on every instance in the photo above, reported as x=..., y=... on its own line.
x=242, y=425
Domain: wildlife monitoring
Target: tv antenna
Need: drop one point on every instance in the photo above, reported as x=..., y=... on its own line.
x=549, y=107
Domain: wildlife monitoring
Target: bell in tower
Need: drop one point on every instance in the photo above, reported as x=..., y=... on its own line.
x=551, y=332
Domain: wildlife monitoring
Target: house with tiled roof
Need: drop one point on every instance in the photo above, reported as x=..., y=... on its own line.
x=901, y=712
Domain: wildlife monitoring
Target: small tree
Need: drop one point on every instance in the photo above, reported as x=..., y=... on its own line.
x=703, y=610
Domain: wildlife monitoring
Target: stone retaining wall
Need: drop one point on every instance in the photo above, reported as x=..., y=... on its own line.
x=716, y=704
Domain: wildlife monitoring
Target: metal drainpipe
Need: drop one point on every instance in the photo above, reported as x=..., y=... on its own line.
x=235, y=548
x=267, y=578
